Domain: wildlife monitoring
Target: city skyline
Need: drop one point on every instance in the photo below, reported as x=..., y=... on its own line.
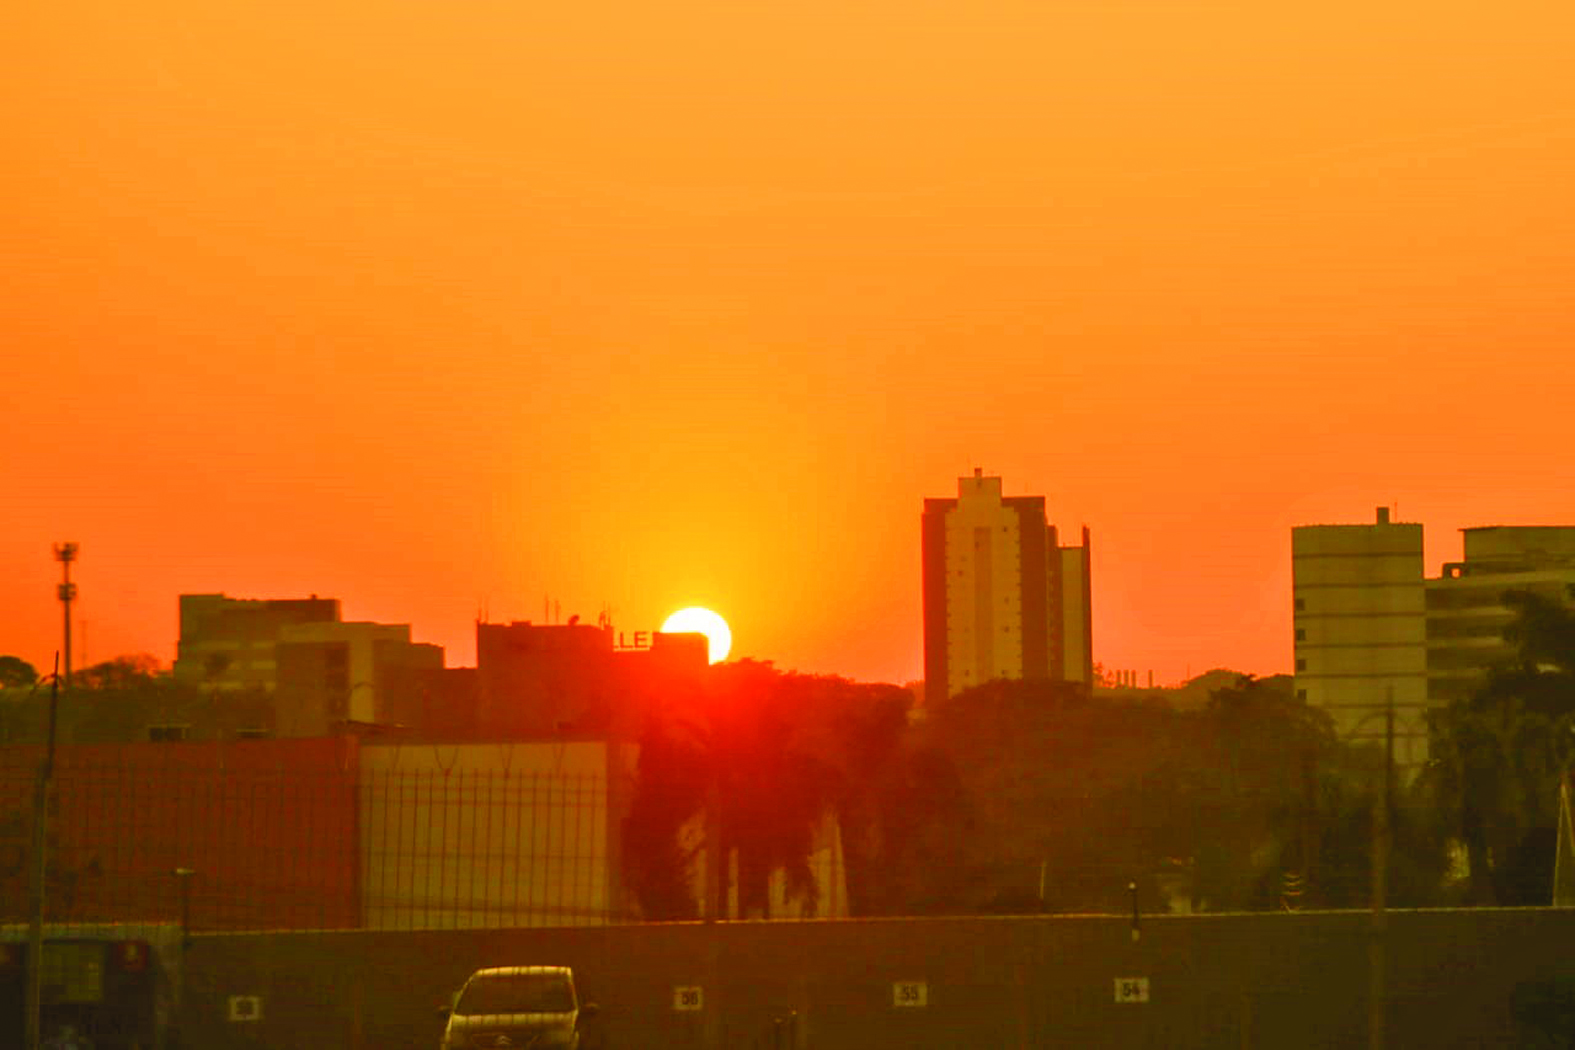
x=550, y=610
x=490, y=305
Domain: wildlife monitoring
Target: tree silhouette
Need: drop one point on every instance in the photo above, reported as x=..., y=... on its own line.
x=1498, y=756
x=780, y=752
x=16, y=672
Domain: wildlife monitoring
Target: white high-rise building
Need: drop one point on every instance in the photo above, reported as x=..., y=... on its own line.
x=1358, y=610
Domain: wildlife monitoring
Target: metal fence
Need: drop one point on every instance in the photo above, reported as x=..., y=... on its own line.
x=227, y=846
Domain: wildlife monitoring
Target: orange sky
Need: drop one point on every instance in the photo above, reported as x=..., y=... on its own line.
x=426, y=305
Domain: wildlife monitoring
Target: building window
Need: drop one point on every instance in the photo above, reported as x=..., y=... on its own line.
x=168, y=733
x=1301, y=635
x=1301, y=665
x=1301, y=604
x=1301, y=694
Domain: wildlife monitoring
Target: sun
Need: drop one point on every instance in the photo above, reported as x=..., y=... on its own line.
x=696, y=620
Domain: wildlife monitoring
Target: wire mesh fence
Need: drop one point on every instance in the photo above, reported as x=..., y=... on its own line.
x=170, y=835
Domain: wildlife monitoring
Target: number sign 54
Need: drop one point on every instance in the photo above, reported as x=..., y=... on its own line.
x=1131, y=989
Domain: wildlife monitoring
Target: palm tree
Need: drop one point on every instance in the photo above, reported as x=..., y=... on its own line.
x=1498, y=755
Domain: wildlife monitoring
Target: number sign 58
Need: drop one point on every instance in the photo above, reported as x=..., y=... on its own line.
x=910, y=994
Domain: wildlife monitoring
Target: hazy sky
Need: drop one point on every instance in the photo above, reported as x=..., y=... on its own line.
x=430, y=306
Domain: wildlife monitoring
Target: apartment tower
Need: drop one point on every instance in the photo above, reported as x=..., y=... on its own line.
x=1002, y=597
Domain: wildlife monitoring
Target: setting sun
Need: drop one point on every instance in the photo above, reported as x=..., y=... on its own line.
x=719, y=639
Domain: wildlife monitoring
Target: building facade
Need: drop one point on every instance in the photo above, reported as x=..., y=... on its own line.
x=1371, y=627
x=1466, y=611
x=556, y=681
x=228, y=643
x=1358, y=607
x=334, y=677
x=1002, y=597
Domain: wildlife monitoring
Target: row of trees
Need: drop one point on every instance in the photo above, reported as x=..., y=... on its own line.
x=117, y=700
x=1022, y=796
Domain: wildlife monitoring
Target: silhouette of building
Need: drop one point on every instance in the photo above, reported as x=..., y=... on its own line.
x=1002, y=597
x=337, y=677
x=1370, y=627
x=228, y=643
x=574, y=680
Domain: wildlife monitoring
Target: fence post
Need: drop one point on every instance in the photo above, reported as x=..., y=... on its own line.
x=35, y=930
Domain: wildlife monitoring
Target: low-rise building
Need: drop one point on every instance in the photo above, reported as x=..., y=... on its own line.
x=227, y=644
x=336, y=677
x=542, y=682
x=1466, y=611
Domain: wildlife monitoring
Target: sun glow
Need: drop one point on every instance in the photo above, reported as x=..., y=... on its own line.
x=695, y=620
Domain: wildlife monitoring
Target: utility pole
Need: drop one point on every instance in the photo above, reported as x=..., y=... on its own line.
x=1380, y=924
x=65, y=554
x=716, y=905
x=35, y=927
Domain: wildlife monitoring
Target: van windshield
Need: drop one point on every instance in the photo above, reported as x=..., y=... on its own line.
x=516, y=993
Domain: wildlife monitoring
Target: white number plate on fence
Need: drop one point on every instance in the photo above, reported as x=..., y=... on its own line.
x=1131, y=989
x=245, y=1008
x=690, y=998
x=910, y=993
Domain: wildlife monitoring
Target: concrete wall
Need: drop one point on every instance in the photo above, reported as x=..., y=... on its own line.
x=1284, y=980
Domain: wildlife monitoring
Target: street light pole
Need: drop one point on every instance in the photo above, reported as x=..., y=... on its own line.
x=1380, y=925
x=716, y=905
x=35, y=927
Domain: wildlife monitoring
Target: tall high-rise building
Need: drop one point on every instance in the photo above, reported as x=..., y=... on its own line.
x=1002, y=597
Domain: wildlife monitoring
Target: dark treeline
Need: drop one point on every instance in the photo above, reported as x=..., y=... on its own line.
x=1024, y=797
x=117, y=700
